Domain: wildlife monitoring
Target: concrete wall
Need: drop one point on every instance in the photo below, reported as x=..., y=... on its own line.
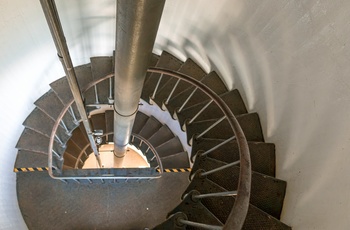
x=289, y=59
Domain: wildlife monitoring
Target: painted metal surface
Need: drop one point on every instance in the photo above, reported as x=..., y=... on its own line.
x=137, y=26
x=54, y=24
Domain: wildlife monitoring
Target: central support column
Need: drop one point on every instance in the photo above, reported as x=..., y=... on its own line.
x=137, y=26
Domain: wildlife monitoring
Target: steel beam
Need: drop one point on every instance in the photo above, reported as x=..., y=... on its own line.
x=136, y=30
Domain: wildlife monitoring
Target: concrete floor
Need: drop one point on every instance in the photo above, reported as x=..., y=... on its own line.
x=46, y=203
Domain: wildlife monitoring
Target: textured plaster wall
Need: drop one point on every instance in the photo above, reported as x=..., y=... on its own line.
x=28, y=64
x=288, y=58
x=290, y=61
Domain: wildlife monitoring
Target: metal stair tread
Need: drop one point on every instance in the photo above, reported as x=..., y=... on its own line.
x=52, y=106
x=196, y=211
x=29, y=159
x=162, y=135
x=150, y=127
x=73, y=149
x=231, y=98
x=140, y=121
x=69, y=160
x=62, y=90
x=166, y=60
x=250, y=124
x=267, y=193
x=101, y=66
x=38, y=121
x=170, y=147
x=204, y=186
x=215, y=83
x=191, y=69
x=177, y=160
x=61, y=86
x=221, y=206
x=262, y=154
x=33, y=141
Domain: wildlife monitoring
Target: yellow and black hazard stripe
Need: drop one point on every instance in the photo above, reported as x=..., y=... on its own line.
x=176, y=170
x=31, y=169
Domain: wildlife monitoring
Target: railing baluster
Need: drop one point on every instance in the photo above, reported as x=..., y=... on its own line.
x=73, y=115
x=215, y=194
x=65, y=127
x=56, y=154
x=171, y=93
x=217, y=146
x=187, y=100
x=60, y=141
x=220, y=168
x=110, y=97
x=200, y=111
x=199, y=225
x=141, y=142
x=210, y=127
x=155, y=90
x=97, y=101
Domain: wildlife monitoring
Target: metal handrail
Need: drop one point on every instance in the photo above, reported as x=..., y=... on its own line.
x=241, y=205
x=60, y=117
x=149, y=145
x=154, y=151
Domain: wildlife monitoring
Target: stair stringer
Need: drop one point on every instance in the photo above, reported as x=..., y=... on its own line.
x=165, y=118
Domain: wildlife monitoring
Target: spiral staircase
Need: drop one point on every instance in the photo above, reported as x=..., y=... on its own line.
x=192, y=178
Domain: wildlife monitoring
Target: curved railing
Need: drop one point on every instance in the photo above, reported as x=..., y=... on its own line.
x=150, y=149
x=66, y=108
x=240, y=207
x=54, y=171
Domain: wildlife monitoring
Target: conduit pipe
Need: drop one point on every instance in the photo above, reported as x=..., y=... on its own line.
x=55, y=26
x=136, y=30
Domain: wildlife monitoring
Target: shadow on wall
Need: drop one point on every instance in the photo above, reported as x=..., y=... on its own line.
x=28, y=65
x=289, y=59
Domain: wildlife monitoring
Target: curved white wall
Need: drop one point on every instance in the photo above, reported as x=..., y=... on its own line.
x=289, y=59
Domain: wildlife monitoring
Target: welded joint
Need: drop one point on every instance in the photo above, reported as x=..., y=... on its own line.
x=137, y=109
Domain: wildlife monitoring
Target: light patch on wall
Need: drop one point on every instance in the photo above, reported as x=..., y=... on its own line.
x=243, y=68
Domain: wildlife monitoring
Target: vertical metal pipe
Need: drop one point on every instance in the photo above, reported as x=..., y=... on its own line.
x=137, y=26
x=55, y=26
